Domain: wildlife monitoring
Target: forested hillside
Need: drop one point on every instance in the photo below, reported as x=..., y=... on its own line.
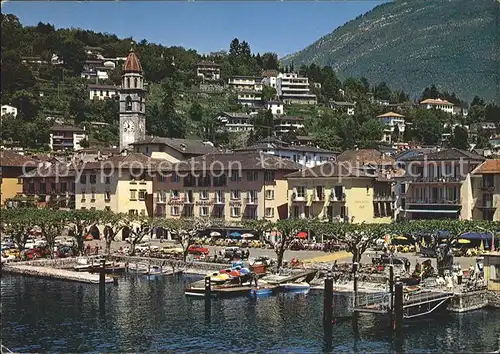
x=415, y=43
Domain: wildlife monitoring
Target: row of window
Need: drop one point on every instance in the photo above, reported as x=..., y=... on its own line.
x=54, y=187
x=93, y=179
x=218, y=195
x=218, y=212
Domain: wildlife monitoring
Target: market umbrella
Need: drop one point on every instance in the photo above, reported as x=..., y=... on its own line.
x=235, y=234
x=276, y=234
x=214, y=234
x=247, y=235
x=400, y=238
x=302, y=235
x=463, y=241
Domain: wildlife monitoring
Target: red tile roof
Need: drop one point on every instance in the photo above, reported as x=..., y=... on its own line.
x=489, y=166
x=132, y=64
x=12, y=159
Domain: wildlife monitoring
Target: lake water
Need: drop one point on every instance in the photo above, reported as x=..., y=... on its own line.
x=142, y=315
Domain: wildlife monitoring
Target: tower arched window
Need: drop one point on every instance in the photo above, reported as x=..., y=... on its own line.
x=128, y=103
x=135, y=83
x=128, y=82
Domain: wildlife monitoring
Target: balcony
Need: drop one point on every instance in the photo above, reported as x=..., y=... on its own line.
x=486, y=204
x=251, y=201
x=188, y=200
x=176, y=201
x=383, y=198
x=299, y=197
x=433, y=201
x=318, y=197
x=487, y=186
x=422, y=179
x=219, y=201
x=337, y=198
x=161, y=200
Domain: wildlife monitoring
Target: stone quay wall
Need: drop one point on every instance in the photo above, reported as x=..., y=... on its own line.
x=493, y=298
x=470, y=301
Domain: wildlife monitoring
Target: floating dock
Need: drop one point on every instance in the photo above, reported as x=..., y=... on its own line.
x=54, y=273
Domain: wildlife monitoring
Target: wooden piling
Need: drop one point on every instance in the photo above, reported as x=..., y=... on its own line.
x=208, y=287
x=398, y=307
x=102, y=281
x=355, y=282
x=328, y=302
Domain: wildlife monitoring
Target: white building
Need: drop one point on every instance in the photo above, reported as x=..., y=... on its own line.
x=96, y=69
x=236, y=122
x=270, y=78
x=308, y=156
x=392, y=120
x=249, y=89
x=344, y=107
x=285, y=124
x=208, y=70
x=276, y=107
x=66, y=137
x=6, y=109
x=293, y=89
x=102, y=92
x=437, y=103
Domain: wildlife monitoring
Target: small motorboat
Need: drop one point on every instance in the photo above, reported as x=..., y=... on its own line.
x=89, y=264
x=261, y=291
x=138, y=267
x=302, y=286
x=156, y=270
x=218, y=278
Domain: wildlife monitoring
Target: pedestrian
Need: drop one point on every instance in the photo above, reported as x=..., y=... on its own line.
x=96, y=250
x=87, y=250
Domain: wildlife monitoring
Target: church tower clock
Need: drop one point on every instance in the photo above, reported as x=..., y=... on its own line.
x=132, y=103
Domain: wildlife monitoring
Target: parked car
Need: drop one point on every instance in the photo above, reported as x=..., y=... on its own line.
x=198, y=249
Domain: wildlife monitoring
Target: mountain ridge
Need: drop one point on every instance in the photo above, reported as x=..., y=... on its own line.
x=411, y=45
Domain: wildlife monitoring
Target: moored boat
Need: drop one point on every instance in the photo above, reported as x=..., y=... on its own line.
x=261, y=291
x=302, y=286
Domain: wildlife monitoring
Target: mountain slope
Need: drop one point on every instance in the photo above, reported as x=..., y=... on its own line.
x=415, y=43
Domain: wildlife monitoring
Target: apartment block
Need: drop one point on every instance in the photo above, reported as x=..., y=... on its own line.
x=230, y=186
x=339, y=191
x=294, y=89
x=438, y=185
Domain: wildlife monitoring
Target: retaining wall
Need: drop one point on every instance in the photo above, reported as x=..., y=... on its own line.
x=470, y=301
x=493, y=298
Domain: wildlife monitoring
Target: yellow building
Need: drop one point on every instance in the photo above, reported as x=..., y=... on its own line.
x=492, y=270
x=122, y=184
x=13, y=166
x=230, y=186
x=486, y=191
x=339, y=191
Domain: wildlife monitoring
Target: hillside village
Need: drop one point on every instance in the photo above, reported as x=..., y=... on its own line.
x=309, y=145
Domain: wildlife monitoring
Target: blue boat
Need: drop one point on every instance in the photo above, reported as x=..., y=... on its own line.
x=261, y=291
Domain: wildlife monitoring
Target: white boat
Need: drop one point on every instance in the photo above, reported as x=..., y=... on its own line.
x=138, y=267
x=84, y=264
x=296, y=286
x=156, y=270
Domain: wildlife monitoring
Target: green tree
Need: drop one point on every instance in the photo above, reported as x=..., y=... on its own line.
x=82, y=220
x=185, y=230
x=268, y=93
x=371, y=133
x=196, y=112
x=18, y=224
x=138, y=226
x=113, y=224
x=264, y=125
x=460, y=138
x=270, y=61
x=287, y=229
x=427, y=127
x=360, y=237
x=382, y=91
x=51, y=224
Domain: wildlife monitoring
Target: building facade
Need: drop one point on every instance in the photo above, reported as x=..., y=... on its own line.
x=343, y=107
x=437, y=103
x=390, y=121
x=6, y=109
x=121, y=184
x=248, y=88
x=307, y=156
x=294, y=89
x=236, y=122
x=339, y=192
x=66, y=137
x=208, y=71
x=286, y=124
x=230, y=186
x=103, y=92
x=132, y=103
x=13, y=166
x=486, y=191
x=438, y=185
x=276, y=107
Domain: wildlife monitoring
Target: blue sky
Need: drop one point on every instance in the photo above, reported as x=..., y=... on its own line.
x=281, y=27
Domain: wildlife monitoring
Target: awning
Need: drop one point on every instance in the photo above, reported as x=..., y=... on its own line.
x=476, y=236
x=433, y=211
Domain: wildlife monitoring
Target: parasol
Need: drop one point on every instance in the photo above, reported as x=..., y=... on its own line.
x=463, y=241
x=400, y=238
x=247, y=235
x=302, y=235
x=214, y=234
x=235, y=234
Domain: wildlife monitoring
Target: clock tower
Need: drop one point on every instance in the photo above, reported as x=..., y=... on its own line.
x=132, y=103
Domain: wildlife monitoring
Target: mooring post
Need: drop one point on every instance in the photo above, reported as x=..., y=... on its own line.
x=102, y=283
x=355, y=282
x=398, y=307
x=208, y=287
x=391, y=294
x=328, y=301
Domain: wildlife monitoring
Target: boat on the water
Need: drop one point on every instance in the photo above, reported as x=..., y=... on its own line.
x=156, y=270
x=299, y=286
x=89, y=264
x=262, y=291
